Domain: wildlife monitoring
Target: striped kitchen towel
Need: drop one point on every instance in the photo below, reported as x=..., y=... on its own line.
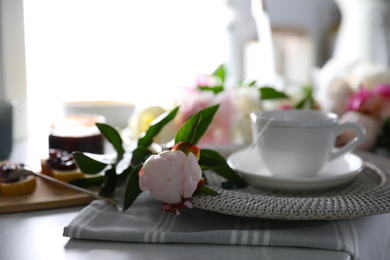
x=362, y=238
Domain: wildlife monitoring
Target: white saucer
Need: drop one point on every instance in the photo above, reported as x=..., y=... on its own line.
x=248, y=164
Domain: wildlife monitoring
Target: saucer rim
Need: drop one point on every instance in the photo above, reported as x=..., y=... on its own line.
x=318, y=181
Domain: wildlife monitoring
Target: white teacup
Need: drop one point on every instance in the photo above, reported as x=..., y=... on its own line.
x=298, y=143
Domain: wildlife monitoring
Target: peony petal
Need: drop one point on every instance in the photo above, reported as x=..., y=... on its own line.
x=383, y=90
x=148, y=182
x=163, y=166
x=177, y=183
x=192, y=175
x=166, y=194
x=357, y=100
x=163, y=176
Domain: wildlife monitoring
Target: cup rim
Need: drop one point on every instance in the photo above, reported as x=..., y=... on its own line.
x=303, y=118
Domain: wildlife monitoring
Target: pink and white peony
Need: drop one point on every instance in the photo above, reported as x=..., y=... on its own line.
x=338, y=81
x=383, y=91
x=369, y=74
x=375, y=102
x=203, y=80
x=220, y=130
x=171, y=177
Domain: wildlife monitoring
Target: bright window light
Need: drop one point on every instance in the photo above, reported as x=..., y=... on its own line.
x=125, y=50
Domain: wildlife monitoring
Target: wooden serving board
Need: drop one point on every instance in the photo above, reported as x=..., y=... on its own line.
x=45, y=196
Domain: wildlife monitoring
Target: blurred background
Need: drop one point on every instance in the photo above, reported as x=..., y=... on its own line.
x=55, y=51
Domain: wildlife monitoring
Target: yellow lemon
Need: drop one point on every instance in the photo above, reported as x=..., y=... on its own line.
x=141, y=122
x=147, y=116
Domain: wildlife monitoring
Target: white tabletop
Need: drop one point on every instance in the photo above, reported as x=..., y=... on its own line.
x=38, y=235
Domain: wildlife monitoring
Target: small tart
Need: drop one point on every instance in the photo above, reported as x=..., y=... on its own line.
x=67, y=170
x=21, y=187
x=67, y=176
x=24, y=185
x=63, y=175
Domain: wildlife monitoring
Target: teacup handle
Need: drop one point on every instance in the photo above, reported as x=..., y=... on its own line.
x=358, y=140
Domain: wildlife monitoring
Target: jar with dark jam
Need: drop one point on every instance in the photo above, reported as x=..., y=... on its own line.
x=77, y=133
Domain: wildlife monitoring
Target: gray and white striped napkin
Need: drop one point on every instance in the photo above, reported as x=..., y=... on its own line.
x=362, y=238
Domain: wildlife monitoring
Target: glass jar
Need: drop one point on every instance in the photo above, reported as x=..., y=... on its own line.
x=77, y=132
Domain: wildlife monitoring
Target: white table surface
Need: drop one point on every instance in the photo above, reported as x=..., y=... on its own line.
x=38, y=235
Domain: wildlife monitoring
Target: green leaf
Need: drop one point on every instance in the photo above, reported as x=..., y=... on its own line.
x=229, y=174
x=206, y=117
x=215, y=89
x=243, y=83
x=204, y=168
x=206, y=190
x=301, y=104
x=220, y=72
x=218, y=164
x=139, y=156
x=270, y=93
x=187, y=131
x=154, y=129
x=109, y=185
x=88, y=165
x=312, y=103
x=123, y=176
x=132, y=188
x=211, y=158
x=308, y=100
x=88, y=182
x=112, y=135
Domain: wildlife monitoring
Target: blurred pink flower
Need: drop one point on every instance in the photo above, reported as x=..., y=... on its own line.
x=375, y=103
x=358, y=99
x=171, y=176
x=382, y=90
x=370, y=108
x=220, y=129
x=205, y=80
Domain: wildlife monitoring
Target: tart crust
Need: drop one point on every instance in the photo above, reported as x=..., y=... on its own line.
x=23, y=186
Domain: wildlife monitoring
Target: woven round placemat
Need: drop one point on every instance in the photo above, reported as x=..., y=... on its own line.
x=368, y=194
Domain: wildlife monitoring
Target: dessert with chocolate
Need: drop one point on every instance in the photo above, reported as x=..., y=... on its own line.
x=61, y=165
x=22, y=185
